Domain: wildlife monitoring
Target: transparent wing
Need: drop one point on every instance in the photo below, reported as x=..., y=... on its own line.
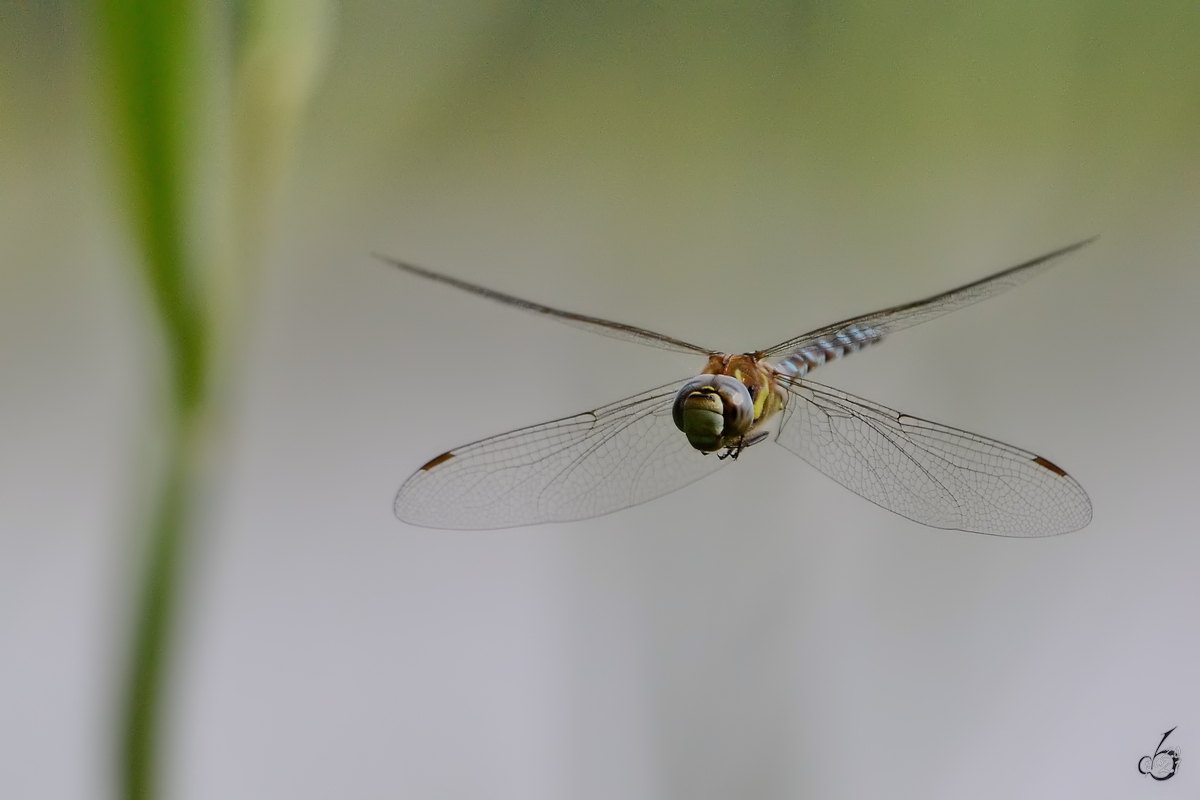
x=583, y=466
x=604, y=327
x=890, y=320
x=928, y=472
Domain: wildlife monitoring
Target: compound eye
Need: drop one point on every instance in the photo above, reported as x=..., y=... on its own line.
x=739, y=405
x=701, y=417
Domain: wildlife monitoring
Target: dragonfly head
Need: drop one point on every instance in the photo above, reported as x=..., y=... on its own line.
x=712, y=411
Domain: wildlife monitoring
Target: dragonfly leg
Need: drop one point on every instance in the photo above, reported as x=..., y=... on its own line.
x=753, y=439
x=735, y=450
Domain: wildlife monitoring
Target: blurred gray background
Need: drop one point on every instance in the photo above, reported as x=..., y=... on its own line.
x=728, y=174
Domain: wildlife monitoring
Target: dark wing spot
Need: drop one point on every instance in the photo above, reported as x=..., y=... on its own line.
x=1041, y=462
x=444, y=457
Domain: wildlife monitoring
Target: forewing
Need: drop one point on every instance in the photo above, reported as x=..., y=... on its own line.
x=604, y=327
x=881, y=323
x=930, y=473
x=583, y=466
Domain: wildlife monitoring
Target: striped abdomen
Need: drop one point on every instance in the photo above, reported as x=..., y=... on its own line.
x=827, y=348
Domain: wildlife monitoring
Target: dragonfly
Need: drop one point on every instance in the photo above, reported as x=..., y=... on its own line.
x=642, y=447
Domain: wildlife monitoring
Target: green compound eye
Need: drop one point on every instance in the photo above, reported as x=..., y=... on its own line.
x=703, y=420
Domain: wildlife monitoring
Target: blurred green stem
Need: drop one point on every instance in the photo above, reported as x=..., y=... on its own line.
x=149, y=49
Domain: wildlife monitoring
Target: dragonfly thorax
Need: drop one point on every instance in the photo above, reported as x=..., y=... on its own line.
x=713, y=411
